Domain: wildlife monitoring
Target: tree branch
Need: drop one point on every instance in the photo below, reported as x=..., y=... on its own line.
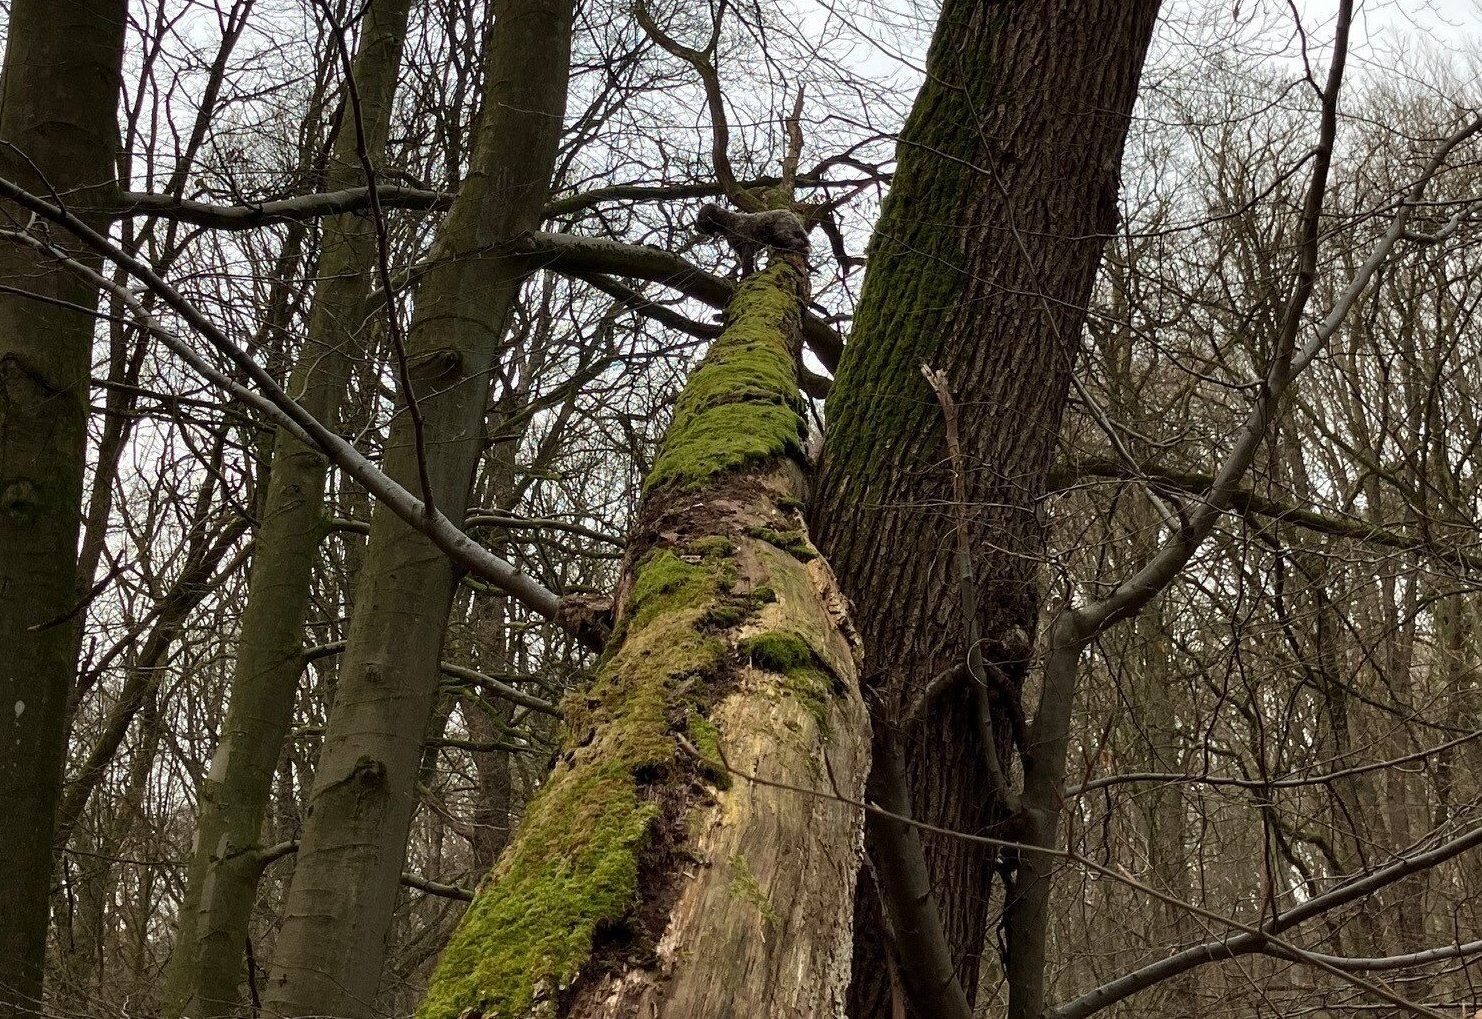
x=580, y=256
x=1248, y=503
x=270, y=400
x=1232, y=946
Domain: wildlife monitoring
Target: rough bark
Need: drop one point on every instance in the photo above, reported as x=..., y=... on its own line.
x=660, y=872
x=981, y=267
x=330, y=950
x=206, y=966
x=58, y=98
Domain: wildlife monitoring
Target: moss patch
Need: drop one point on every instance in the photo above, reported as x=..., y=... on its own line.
x=746, y=888
x=572, y=875
x=528, y=934
x=804, y=674
x=794, y=543
x=729, y=613
x=705, y=737
x=664, y=583
x=741, y=407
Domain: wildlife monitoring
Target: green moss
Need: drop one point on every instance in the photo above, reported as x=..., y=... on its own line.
x=713, y=545
x=741, y=407
x=778, y=652
x=528, y=935
x=746, y=888
x=571, y=874
x=727, y=614
x=788, y=504
x=919, y=273
x=813, y=689
x=804, y=675
x=764, y=595
x=794, y=543
x=666, y=583
x=705, y=737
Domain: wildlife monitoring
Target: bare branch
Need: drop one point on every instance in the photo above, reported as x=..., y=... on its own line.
x=272, y=402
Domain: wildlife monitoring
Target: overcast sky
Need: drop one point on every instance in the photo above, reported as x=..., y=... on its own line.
x=1444, y=23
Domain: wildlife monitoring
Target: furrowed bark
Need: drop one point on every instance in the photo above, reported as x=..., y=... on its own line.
x=60, y=88
x=206, y=965
x=331, y=946
x=981, y=267
x=657, y=873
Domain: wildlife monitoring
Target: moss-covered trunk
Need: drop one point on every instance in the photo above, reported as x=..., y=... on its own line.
x=981, y=267
x=58, y=97
x=331, y=946
x=659, y=872
x=207, y=963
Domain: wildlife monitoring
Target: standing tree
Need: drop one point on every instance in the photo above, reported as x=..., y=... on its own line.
x=349, y=861
x=981, y=268
x=58, y=98
x=689, y=814
x=206, y=967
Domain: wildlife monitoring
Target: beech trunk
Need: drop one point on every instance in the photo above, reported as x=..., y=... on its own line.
x=332, y=943
x=207, y=964
x=58, y=96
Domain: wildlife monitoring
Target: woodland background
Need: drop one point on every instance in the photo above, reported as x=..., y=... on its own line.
x=1298, y=709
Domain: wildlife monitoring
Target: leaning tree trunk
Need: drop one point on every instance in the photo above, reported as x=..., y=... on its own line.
x=690, y=856
x=206, y=966
x=58, y=96
x=331, y=947
x=981, y=267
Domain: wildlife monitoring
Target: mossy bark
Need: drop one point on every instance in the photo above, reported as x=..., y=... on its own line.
x=206, y=965
x=58, y=98
x=657, y=872
x=340, y=902
x=981, y=267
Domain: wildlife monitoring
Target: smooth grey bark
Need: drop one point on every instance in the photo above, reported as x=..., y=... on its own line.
x=206, y=966
x=331, y=947
x=58, y=96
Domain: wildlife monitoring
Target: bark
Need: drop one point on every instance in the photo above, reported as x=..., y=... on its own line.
x=339, y=907
x=981, y=267
x=58, y=97
x=690, y=855
x=206, y=966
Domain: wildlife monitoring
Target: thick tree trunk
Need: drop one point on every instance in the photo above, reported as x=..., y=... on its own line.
x=330, y=950
x=689, y=856
x=981, y=267
x=206, y=966
x=58, y=99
